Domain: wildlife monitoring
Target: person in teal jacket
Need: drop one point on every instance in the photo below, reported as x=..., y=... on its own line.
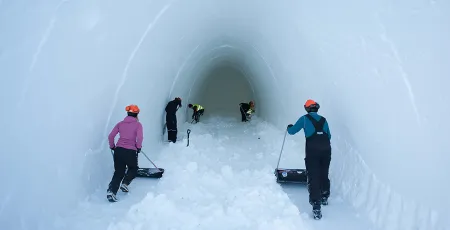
x=317, y=153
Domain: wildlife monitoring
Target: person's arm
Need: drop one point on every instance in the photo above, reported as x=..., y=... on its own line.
x=326, y=128
x=297, y=126
x=112, y=135
x=139, y=136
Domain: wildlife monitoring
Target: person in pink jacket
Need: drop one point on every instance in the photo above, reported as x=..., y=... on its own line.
x=125, y=151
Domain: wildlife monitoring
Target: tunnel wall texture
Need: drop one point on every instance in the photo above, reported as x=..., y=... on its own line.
x=378, y=69
x=221, y=91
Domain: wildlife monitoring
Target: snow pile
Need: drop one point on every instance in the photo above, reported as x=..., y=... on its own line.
x=223, y=180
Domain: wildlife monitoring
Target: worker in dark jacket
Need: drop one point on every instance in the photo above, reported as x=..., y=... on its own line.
x=171, y=119
x=317, y=153
x=246, y=109
x=198, y=111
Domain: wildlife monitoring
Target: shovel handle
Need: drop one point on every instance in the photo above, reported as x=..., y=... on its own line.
x=150, y=160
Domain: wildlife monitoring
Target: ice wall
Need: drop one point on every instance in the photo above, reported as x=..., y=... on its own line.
x=379, y=70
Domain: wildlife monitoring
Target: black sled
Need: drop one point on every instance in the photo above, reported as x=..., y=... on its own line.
x=150, y=172
x=289, y=175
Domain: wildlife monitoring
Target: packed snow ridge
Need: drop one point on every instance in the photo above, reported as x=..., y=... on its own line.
x=223, y=180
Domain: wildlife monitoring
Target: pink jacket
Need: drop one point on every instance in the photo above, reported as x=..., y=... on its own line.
x=130, y=134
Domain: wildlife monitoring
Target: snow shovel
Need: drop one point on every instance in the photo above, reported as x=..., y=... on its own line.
x=289, y=175
x=150, y=172
x=188, y=132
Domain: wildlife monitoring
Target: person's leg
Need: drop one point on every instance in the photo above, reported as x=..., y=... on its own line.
x=200, y=113
x=119, y=171
x=176, y=130
x=131, y=160
x=312, y=163
x=243, y=115
x=196, y=116
x=324, y=179
x=171, y=128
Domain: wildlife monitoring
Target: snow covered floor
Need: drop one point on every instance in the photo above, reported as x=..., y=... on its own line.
x=223, y=180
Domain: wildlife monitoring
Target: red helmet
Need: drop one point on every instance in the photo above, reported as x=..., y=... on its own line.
x=132, y=109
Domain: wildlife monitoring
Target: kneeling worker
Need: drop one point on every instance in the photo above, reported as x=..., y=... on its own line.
x=246, y=110
x=198, y=111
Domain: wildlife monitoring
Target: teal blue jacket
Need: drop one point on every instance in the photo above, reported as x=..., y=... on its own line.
x=304, y=123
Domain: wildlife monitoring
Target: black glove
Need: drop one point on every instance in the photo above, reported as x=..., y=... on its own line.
x=290, y=125
x=113, y=148
x=138, y=150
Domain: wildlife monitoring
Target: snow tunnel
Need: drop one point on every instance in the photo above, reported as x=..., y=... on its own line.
x=378, y=69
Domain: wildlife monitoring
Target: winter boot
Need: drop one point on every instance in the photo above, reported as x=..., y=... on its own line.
x=111, y=196
x=317, y=213
x=324, y=200
x=124, y=188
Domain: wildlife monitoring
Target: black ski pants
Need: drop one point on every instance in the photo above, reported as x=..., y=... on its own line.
x=172, y=131
x=243, y=114
x=123, y=158
x=317, y=166
x=197, y=114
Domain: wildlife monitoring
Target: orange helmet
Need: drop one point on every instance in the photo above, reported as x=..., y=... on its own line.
x=132, y=109
x=311, y=106
x=309, y=102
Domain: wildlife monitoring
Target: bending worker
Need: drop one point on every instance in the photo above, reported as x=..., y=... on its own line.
x=171, y=119
x=198, y=111
x=246, y=110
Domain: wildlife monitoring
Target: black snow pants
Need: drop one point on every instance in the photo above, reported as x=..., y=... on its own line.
x=317, y=161
x=196, y=115
x=317, y=167
x=172, y=131
x=123, y=158
x=243, y=114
